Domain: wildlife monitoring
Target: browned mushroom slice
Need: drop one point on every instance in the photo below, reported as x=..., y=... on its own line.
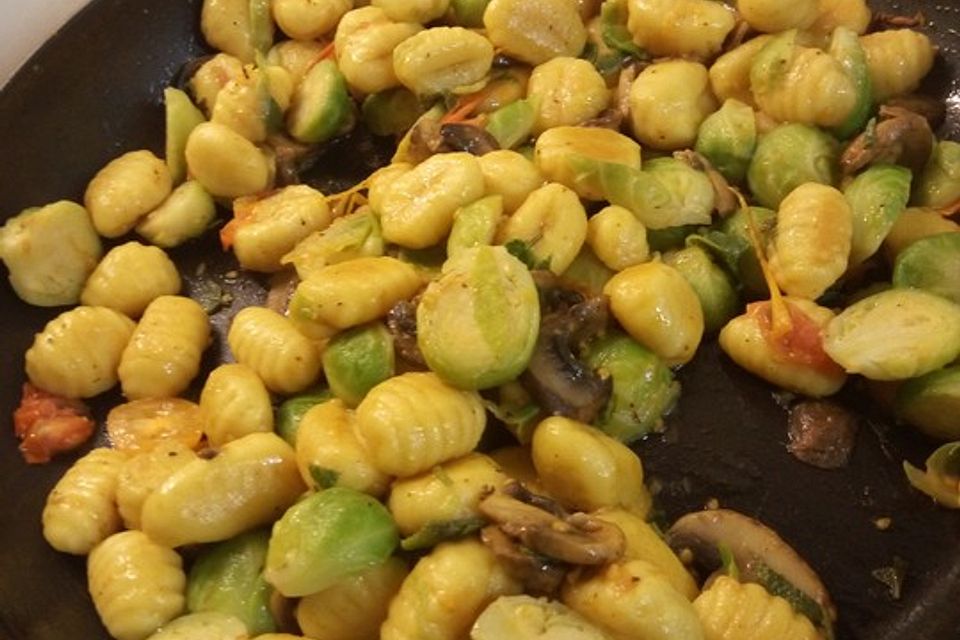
x=461, y=136
x=538, y=574
x=727, y=201
x=756, y=548
x=562, y=383
x=900, y=136
x=577, y=539
x=402, y=324
x=821, y=433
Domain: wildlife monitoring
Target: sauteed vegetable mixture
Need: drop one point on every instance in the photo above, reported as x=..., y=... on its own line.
x=582, y=192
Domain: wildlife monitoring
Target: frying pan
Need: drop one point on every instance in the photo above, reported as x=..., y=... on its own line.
x=94, y=91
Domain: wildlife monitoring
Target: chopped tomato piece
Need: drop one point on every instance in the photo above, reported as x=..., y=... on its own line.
x=141, y=425
x=802, y=344
x=48, y=424
x=242, y=215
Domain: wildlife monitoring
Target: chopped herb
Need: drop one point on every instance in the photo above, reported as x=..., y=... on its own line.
x=437, y=531
x=324, y=477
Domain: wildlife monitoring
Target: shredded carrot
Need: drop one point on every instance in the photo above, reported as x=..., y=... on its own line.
x=349, y=200
x=329, y=51
x=242, y=215
x=464, y=107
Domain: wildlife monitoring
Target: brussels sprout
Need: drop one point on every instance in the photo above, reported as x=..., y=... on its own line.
x=358, y=359
x=469, y=13
x=514, y=406
x=789, y=156
x=731, y=245
x=478, y=323
x=941, y=480
x=475, y=224
x=846, y=49
x=228, y=577
x=939, y=185
x=643, y=387
x=49, y=252
x=932, y=264
x=587, y=272
x=352, y=236
x=895, y=335
x=931, y=403
x=877, y=197
x=511, y=124
x=391, y=112
x=327, y=536
x=718, y=297
x=181, y=117
x=185, y=214
x=667, y=193
x=321, y=106
x=291, y=411
x=728, y=137
x=524, y=617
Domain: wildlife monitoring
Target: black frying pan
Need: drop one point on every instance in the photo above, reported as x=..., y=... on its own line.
x=94, y=91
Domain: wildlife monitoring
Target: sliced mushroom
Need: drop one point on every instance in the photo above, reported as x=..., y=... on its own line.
x=931, y=108
x=538, y=574
x=402, y=324
x=821, y=433
x=561, y=382
x=577, y=539
x=755, y=548
x=461, y=136
x=900, y=136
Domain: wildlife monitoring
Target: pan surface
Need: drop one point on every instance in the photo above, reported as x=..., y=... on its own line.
x=94, y=91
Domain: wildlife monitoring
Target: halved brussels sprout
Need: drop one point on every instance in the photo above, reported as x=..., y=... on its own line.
x=787, y=157
x=228, y=577
x=49, y=252
x=941, y=479
x=939, y=185
x=931, y=403
x=321, y=106
x=931, y=264
x=731, y=245
x=845, y=48
x=352, y=236
x=643, y=387
x=895, y=335
x=556, y=147
x=391, y=112
x=475, y=224
x=181, y=116
x=718, y=297
x=877, y=197
x=728, y=137
x=358, y=359
x=327, y=536
x=667, y=193
x=478, y=323
x=512, y=124
x=291, y=412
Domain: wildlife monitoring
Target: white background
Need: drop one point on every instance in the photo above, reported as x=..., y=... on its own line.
x=25, y=25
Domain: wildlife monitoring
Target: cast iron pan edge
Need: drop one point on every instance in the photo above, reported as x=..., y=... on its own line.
x=94, y=91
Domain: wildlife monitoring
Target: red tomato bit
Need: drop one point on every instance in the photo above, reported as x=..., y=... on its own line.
x=48, y=424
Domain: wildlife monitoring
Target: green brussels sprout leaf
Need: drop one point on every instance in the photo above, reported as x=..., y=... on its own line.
x=437, y=531
x=846, y=49
x=939, y=184
x=614, y=31
x=391, y=112
x=728, y=138
x=511, y=124
x=717, y=294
